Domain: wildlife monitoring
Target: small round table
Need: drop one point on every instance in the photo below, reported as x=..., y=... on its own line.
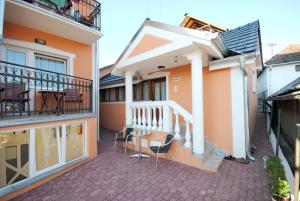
x=140, y=134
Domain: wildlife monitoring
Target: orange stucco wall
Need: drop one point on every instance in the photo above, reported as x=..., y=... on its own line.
x=180, y=86
x=92, y=151
x=83, y=52
x=217, y=101
x=147, y=43
x=112, y=115
x=217, y=108
x=252, y=98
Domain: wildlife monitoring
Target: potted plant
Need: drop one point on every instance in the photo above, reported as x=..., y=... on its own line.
x=280, y=188
x=281, y=191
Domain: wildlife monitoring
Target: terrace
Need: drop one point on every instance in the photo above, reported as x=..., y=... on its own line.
x=86, y=12
x=32, y=92
x=125, y=179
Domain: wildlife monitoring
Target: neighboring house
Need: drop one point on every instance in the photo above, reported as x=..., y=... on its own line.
x=196, y=81
x=287, y=101
x=280, y=70
x=48, y=99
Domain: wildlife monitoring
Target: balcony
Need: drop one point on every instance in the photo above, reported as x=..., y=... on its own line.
x=86, y=12
x=78, y=20
x=31, y=92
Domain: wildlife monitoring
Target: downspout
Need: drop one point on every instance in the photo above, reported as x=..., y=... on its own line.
x=246, y=112
x=2, y=2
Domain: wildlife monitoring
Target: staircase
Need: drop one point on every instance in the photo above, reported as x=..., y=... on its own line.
x=159, y=117
x=209, y=158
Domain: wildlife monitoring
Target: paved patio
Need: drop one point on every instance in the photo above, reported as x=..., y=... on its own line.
x=111, y=176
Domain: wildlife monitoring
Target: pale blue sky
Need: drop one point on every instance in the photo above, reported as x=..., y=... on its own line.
x=279, y=19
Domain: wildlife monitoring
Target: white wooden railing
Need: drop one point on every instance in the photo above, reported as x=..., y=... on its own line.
x=158, y=115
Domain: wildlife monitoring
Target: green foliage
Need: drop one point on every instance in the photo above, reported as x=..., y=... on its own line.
x=277, y=180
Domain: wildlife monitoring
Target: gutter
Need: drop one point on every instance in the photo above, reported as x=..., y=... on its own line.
x=242, y=67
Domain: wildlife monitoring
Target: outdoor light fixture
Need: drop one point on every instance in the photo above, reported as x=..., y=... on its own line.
x=161, y=67
x=40, y=41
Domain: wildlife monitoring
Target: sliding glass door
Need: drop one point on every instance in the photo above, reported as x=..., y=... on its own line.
x=28, y=153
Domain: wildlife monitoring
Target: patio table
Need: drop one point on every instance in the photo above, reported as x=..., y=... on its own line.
x=58, y=95
x=139, y=134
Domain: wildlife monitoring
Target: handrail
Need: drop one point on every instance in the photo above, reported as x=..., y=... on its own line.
x=183, y=112
x=42, y=70
x=175, y=106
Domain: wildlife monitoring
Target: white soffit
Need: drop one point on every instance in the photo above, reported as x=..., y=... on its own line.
x=229, y=62
x=32, y=16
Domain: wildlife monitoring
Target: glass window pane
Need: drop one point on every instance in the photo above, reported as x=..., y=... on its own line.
x=74, y=141
x=163, y=90
x=145, y=91
x=46, y=144
x=157, y=91
x=16, y=57
x=121, y=93
x=50, y=64
x=112, y=94
x=14, y=157
x=106, y=95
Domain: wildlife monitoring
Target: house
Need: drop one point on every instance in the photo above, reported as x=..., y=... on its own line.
x=284, y=125
x=196, y=81
x=280, y=70
x=48, y=97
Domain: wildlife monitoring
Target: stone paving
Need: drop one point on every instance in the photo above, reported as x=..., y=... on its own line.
x=112, y=176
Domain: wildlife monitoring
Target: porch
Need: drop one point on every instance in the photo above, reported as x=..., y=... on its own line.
x=125, y=179
x=27, y=92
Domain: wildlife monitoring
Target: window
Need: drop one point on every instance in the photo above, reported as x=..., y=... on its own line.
x=50, y=64
x=16, y=57
x=51, y=147
x=14, y=157
x=116, y=94
x=47, y=143
x=74, y=141
x=297, y=68
x=106, y=93
x=112, y=94
x=147, y=90
x=121, y=93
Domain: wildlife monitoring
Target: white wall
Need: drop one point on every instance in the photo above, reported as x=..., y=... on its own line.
x=262, y=81
x=279, y=76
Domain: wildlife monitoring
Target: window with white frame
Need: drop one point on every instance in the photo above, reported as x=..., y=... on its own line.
x=28, y=153
x=50, y=64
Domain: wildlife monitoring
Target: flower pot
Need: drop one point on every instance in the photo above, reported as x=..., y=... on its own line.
x=277, y=198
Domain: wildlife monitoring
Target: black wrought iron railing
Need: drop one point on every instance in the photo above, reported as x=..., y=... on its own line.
x=86, y=12
x=27, y=91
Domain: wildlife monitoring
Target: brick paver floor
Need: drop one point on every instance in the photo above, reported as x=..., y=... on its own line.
x=112, y=176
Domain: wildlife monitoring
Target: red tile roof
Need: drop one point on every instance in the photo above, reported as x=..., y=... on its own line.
x=290, y=54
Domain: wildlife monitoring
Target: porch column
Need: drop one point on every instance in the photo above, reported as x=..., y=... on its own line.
x=197, y=100
x=128, y=97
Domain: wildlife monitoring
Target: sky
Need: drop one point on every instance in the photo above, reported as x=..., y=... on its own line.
x=120, y=19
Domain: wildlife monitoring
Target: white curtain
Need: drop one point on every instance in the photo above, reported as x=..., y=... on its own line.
x=146, y=91
x=16, y=57
x=50, y=64
x=163, y=90
x=157, y=91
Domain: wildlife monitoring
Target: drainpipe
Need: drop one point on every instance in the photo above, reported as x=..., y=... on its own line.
x=1, y=19
x=246, y=112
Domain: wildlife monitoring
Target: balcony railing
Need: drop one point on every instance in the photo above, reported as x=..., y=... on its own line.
x=27, y=91
x=86, y=12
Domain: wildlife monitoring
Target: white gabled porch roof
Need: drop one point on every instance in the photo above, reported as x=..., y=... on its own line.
x=166, y=45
